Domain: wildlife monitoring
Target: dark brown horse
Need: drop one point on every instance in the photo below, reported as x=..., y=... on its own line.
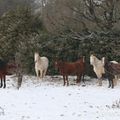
x=111, y=69
x=71, y=68
x=5, y=69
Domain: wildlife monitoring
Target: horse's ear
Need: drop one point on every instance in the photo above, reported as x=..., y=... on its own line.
x=36, y=52
x=92, y=53
x=103, y=60
x=83, y=58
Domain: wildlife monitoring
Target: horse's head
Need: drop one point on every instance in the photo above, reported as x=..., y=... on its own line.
x=56, y=60
x=36, y=56
x=83, y=58
x=92, y=59
x=58, y=64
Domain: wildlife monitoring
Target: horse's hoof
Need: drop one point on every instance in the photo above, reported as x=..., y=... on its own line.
x=67, y=84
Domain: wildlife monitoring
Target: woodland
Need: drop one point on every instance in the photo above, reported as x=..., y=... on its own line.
x=66, y=29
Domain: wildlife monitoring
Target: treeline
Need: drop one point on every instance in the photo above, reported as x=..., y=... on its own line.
x=65, y=29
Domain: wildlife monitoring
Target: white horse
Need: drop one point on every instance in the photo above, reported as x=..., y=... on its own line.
x=41, y=65
x=98, y=67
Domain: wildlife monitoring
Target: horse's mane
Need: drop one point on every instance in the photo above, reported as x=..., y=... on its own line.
x=36, y=57
x=82, y=58
x=96, y=60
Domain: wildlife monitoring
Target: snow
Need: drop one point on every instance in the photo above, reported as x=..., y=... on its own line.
x=48, y=99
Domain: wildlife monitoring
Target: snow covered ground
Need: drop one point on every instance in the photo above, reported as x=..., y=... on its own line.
x=48, y=99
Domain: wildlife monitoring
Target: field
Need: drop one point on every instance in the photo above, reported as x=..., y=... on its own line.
x=48, y=99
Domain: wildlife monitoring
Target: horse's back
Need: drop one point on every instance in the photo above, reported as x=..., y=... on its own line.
x=44, y=62
x=115, y=67
x=69, y=68
x=72, y=67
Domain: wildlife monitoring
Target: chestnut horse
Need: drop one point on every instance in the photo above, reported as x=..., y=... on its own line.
x=5, y=69
x=71, y=68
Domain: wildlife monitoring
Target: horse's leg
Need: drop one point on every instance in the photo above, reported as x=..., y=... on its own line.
x=83, y=78
x=67, y=80
x=37, y=73
x=99, y=76
x=77, y=81
x=100, y=81
x=4, y=81
x=41, y=73
x=44, y=72
x=64, y=80
x=115, y=80
x=78, y=78
x=109, y=82
x=1, y=82
x=112, y=83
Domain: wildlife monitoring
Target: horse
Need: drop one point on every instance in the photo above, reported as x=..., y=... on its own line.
x=116, y=76
x=112, y=70
x=71, y=68
x=5, y=69
x=41, y=65
x=82, y=66
x=98, y=67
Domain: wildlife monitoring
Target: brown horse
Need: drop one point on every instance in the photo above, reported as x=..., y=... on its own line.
x=5, y=69
x=71, y=68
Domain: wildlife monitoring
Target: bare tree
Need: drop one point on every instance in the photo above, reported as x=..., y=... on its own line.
x=80, y=15
x=103, y=13
x=57, y=16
